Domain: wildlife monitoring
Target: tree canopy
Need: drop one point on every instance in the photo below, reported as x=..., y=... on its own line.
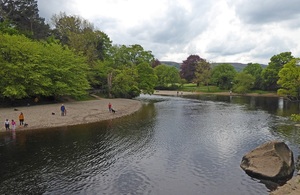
x=289, y=80
x=223, y=76
x=31, y=68
x=188, y=67
x=270, y=74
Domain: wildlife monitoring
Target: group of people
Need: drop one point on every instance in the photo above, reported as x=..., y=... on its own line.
x=13, y=123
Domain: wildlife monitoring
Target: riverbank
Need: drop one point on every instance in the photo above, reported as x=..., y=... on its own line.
x=78, y=112
x=183, y=93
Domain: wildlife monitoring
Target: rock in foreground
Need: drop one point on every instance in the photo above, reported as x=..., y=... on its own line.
x=273, y=160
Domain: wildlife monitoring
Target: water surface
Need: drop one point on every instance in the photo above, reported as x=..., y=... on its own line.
x=173, y=145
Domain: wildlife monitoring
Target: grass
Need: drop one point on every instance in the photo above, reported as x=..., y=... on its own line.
x=193, y=88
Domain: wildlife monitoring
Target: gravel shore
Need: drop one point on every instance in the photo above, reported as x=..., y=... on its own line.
x=78, y=112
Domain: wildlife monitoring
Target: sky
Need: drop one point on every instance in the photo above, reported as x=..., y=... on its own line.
x=244, y=31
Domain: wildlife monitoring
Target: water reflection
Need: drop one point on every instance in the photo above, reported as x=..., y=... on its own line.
x=173, y=145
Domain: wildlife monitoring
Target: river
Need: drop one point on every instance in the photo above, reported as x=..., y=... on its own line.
x=173, y=145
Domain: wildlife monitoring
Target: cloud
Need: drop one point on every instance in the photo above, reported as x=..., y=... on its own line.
x=222, y=30
x=267, y=11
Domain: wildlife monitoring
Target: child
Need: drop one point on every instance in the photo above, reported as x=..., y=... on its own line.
x=13, y=125
x=6, y=123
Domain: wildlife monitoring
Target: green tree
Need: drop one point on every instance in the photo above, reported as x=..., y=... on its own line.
x=146, y=78
x=203, y=72
x=125, y=83
x=223, y=76
x=255, y=70
x=289, y=80
x=270, y=74
x=24, y=15
x=31, y=68
x=166, y=75
x=243, y=82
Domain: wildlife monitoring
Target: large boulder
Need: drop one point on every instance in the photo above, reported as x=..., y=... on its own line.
x=273, y=160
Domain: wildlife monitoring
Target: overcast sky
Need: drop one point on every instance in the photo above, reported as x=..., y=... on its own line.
x=217, y=30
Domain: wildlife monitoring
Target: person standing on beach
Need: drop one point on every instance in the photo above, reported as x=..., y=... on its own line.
x=109, y=107
x=13, y=125
x=21, y=118
x=6, y=123
x=63, y=110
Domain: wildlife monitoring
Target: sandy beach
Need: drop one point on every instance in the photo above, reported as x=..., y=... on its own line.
x=78, y=112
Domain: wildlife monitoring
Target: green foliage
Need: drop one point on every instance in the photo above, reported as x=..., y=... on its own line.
x=243, y=82
x=289, y=80
x=23, y=15
x=295, y=117
x=125, y=83
x=203, y=73
x=270, y=74
x=223, y=75
x=146, y=78
x=30, y=68
x=255, y=70
x=166, y=75
x=6, y=27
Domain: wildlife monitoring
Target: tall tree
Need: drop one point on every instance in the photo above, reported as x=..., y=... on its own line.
x=270, y=74
x=166, y=75
x=31, y=68
x=223, y=76
x=255, y=70
x=24, y=15
x=188, y=68
x=243, y=82
x=289, y=80
x=146, y=78
x=203, y=73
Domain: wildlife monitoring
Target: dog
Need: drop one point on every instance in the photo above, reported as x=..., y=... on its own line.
x=25, y=125
x=113, y=111
x=53, y=113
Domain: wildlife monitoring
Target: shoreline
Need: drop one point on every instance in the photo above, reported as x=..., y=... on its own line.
x=78, y=112
x=183, y=93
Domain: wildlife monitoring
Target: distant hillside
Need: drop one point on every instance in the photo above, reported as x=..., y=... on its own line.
x=170, y=63
x=238, y=66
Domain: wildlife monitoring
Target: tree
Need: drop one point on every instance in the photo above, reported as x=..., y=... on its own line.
x=223, y=75
x=146, y=78
x=130, y=56
x=203, y=72
x=289, y=80
x=243, y=82
x=24, y=15
x=30, y=68
x=166, y=75
x=124, y=83
x=188, y=68
x=270, y=74
x=255, y=70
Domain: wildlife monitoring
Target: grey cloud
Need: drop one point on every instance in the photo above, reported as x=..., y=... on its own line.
x=230, y=45
x=266, y=11
x=177, y=26
x=47, y=8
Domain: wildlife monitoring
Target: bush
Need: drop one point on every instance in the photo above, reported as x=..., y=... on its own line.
x=295, y=117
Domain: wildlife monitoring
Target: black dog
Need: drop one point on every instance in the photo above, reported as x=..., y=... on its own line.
x=113, y=111
x=53, y=113
x=25, y=125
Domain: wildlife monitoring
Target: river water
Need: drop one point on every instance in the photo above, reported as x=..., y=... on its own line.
x=173, y=145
